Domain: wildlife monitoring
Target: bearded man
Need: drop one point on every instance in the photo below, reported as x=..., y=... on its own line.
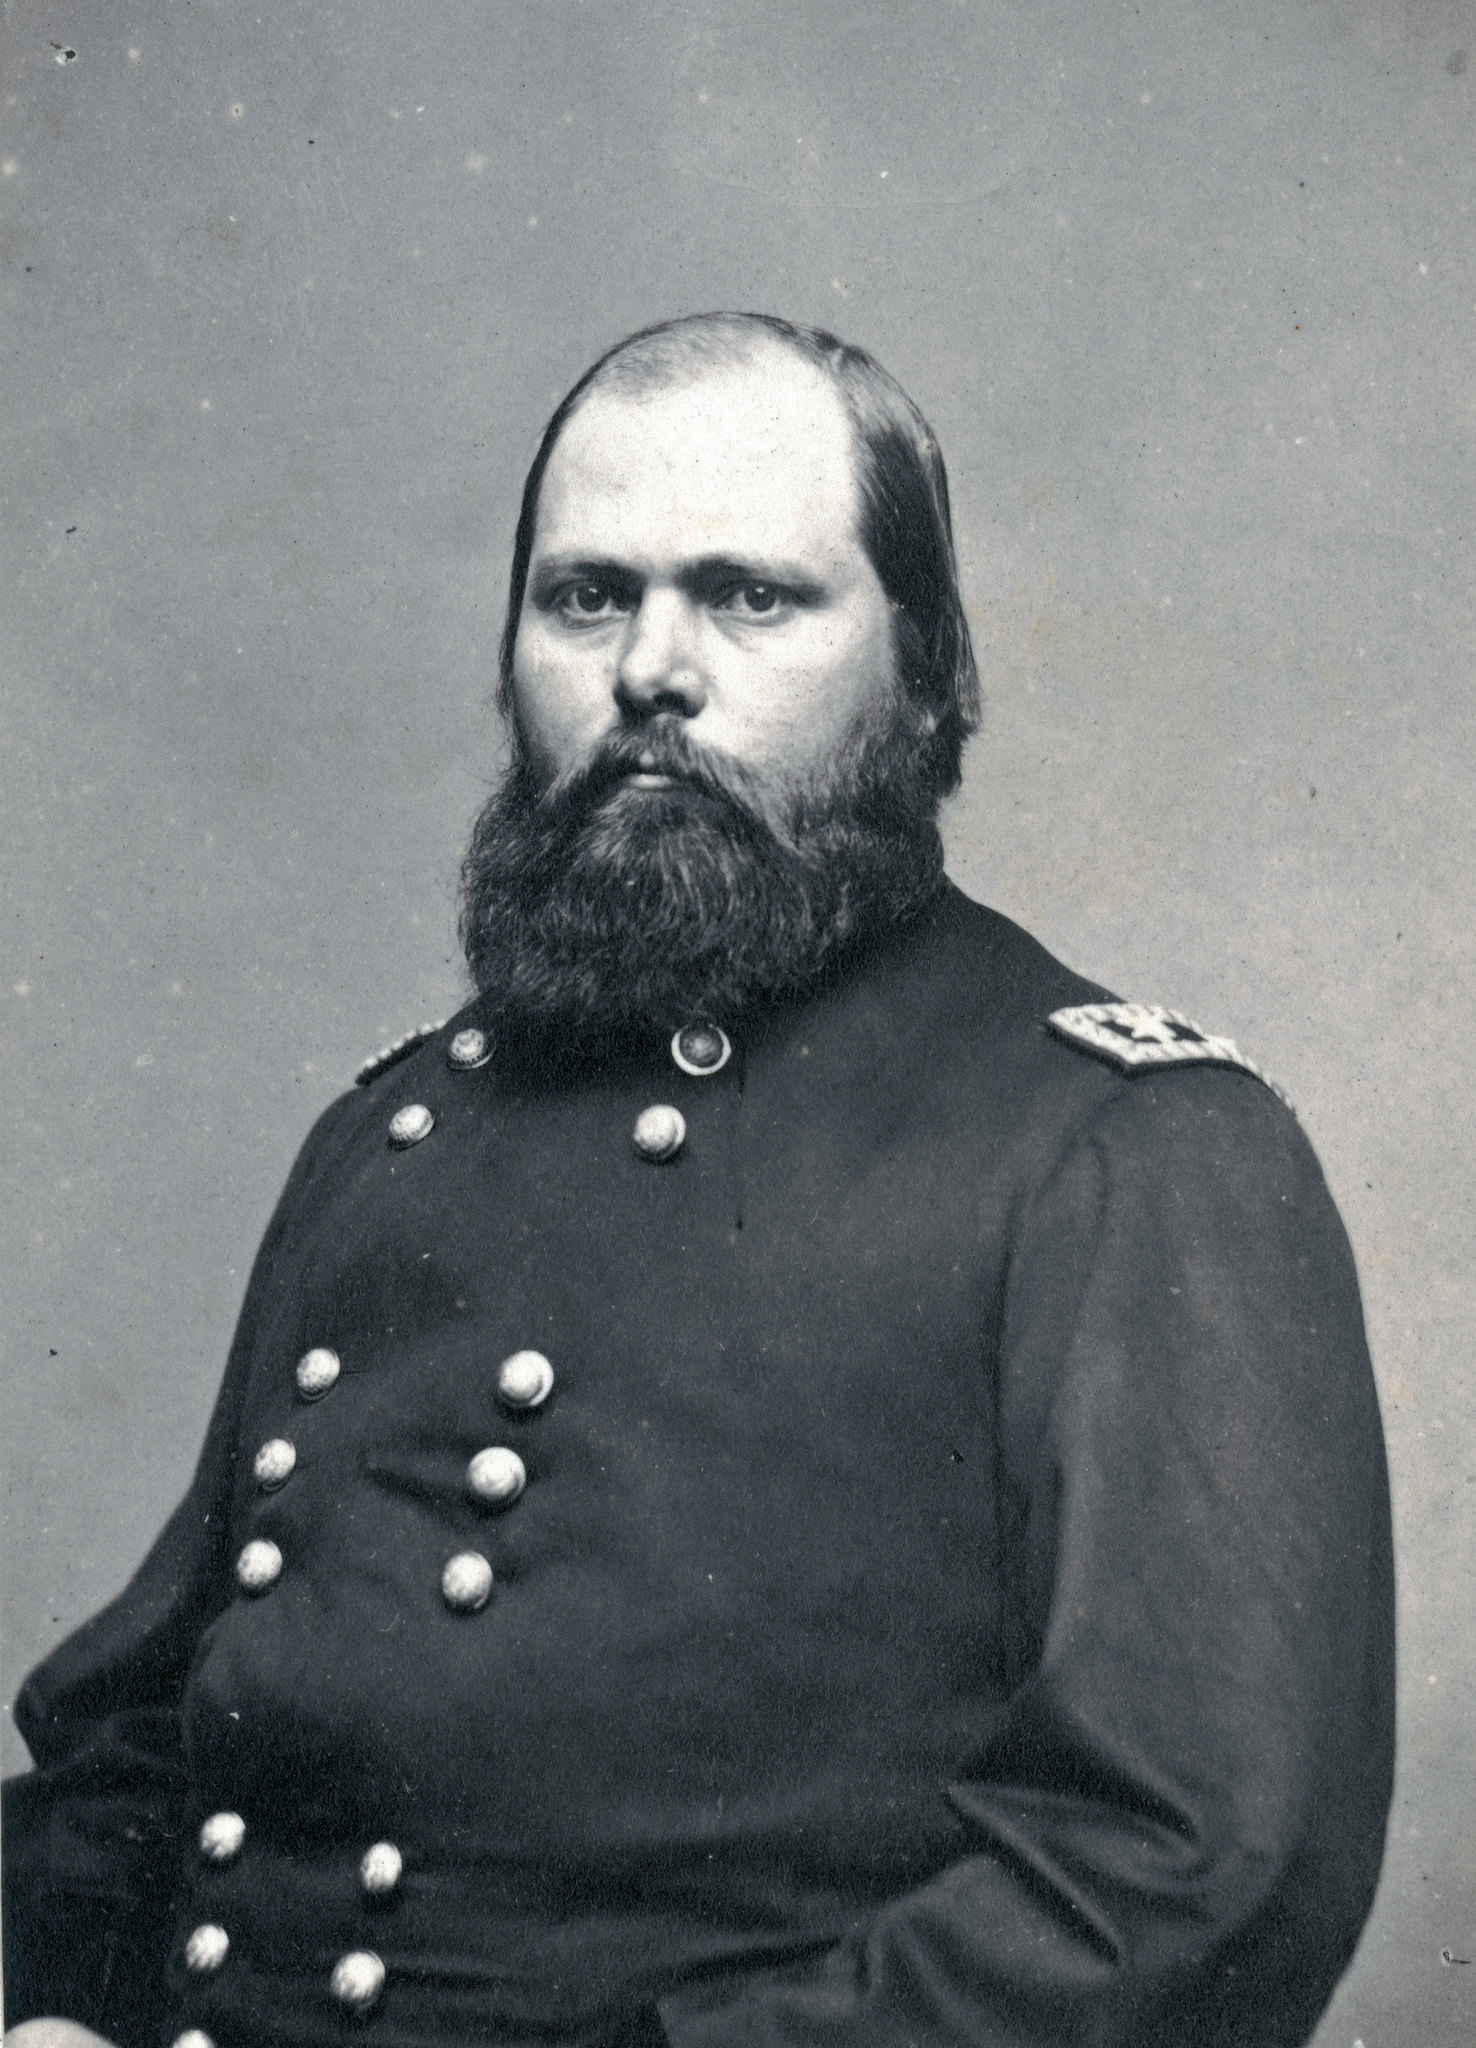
x=796, y=1476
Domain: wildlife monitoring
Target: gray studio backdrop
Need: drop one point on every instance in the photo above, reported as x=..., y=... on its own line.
x=1187, y=291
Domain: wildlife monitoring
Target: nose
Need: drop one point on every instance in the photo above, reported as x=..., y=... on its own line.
x=661, y=667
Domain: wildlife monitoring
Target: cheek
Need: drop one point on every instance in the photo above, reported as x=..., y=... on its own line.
x=806, y=707
x=554, y=694
x=845, y=671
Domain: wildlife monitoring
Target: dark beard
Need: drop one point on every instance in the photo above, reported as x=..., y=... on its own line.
x=593, y=914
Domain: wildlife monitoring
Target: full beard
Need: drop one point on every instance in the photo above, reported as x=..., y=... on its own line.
x=594, y=913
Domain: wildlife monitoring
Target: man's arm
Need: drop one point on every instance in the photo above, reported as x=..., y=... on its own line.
x=93, y=1836
x=1177, y=1816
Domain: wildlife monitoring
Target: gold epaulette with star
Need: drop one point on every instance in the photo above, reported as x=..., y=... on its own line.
x=387, y=1055
x=1135, y=1036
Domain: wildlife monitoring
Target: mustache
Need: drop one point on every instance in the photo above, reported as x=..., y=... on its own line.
x=660, y=748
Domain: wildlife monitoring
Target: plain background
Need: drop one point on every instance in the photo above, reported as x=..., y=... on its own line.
x=1187, y=292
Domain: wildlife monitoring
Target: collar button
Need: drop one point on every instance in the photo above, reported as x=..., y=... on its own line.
x=701, y=1049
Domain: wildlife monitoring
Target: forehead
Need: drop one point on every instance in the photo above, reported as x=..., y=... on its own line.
x=749, y=459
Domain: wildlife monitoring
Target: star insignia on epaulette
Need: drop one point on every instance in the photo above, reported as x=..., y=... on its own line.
x=387, y=1055
x=1135, y=1036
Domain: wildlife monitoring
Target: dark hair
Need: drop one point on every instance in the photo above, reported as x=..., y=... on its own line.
x=905, y=525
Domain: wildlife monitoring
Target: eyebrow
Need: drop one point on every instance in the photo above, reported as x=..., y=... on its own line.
x=701, y=578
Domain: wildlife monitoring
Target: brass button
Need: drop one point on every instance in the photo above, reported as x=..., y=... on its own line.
x=259, y=1565
x=206, y=1949
x=525, y=1380
x=660, y=1132
x=273, y=1463
x=466, y=1582
x=358, y=1979
x=496, y=1476
x=379, y=1868
x=701, y=1049
x=469, y=1049
x=193, y=2038
x=409, y=1125
x=316, y=1372
x=221, y=1837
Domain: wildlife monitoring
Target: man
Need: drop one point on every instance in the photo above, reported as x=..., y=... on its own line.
x=794, y=1475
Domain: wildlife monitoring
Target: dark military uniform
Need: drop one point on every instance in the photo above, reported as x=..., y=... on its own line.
x=930, y=1583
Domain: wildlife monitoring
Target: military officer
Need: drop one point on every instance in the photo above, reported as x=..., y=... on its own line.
x=795, y=1476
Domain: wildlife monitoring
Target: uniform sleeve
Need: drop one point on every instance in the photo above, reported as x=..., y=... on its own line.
x=93, y=1834
x=1175, y=1821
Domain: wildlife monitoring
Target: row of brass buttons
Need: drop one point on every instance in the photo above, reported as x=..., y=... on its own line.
x=659, y=1133
x=223, y=1836
x=660, y=1130
x=698, y=1049
x=495, y=1476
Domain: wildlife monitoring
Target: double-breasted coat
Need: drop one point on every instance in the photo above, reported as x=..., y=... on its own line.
x=908, y=1563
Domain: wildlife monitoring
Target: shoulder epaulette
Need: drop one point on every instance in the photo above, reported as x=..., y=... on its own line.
x=1135, y=1036
x=387, y=1055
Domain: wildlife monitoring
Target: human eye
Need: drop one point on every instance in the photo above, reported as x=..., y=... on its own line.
x=589, y=601
x=754, y=599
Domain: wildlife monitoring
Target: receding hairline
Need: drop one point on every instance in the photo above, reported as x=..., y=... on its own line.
x=644, y=374
x=649, y=369
x=684, y=351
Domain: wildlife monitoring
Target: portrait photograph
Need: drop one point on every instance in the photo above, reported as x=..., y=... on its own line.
x=737, y=749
